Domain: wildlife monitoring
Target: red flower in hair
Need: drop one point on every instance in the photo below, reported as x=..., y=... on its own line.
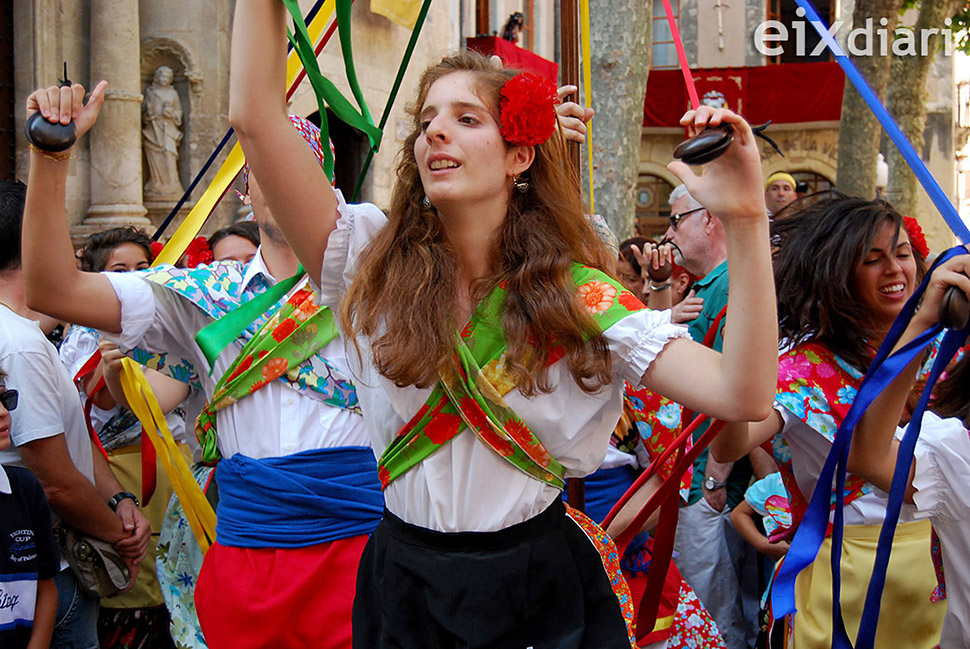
x=198, y=252
x=916, y=236
x=528, y=109
x=156, y=248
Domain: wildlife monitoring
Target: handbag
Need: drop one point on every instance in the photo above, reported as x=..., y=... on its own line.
x=99, y=569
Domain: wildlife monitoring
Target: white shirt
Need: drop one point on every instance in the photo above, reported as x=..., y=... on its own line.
x=49, y=403
x=274, y=421
x=809, y=449
x=941, y=480
x=464, y=485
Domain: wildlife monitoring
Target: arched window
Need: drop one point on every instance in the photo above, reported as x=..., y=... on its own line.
x=653, y=205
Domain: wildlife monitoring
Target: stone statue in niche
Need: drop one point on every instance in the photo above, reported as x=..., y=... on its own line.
x=162, y=118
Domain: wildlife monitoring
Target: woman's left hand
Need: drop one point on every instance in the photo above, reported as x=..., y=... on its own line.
x=954, y=272
x=731, y=187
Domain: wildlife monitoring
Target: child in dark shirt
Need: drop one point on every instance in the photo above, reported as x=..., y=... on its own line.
x=29, y=557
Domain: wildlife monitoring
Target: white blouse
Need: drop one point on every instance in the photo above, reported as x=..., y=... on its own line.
x=941, y=478
x=465, y=485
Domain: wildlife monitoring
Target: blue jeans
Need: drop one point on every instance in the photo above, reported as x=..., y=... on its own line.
x=76, y=625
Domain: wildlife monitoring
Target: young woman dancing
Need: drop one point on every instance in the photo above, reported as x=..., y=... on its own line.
x=941, y=463
x=483, y=300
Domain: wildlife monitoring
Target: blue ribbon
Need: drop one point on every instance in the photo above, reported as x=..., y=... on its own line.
x=298, y=500
x=942, y=203
x=811, y=531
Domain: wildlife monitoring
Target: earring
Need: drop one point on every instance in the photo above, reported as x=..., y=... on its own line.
x=522, y=186
x=426, y=203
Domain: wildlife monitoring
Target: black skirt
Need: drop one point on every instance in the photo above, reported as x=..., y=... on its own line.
x=539, y=584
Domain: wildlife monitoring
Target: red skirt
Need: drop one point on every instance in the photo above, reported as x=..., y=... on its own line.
x=279, y=597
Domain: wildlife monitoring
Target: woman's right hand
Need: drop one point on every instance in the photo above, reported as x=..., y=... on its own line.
x=64, y=104
x=954, y=272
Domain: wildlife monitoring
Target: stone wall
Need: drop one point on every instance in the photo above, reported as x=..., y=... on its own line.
x=193, y=38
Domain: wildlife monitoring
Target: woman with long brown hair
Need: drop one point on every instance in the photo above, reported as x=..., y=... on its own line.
x=484, y=300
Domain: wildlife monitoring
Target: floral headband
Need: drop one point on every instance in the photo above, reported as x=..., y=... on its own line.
x=528, y=109
x=916, y=236
x=198, y=252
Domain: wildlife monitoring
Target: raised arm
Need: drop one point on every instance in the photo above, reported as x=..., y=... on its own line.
x=872, y=453
x=296, y=190
x=52, y=282
x=739, y=383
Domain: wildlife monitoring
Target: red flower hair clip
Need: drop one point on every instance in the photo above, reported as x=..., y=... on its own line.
x=157, y=248
x=916, y=236
x=198, y=252
x=528, y=109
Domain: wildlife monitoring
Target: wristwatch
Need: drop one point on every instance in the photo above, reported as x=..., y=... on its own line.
x=118, y=497
x=713, y=485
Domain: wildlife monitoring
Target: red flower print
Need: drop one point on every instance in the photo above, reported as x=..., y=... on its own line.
x=242, y=367
x=630, y=301
x=474, y=413
x=383, y=476
x=284, y=329
x=597, y=296
x=274, y=368
x=442, y=427
x=499, y=445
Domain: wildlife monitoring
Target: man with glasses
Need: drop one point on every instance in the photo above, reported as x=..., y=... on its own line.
x=51, y=440
x=713, y=559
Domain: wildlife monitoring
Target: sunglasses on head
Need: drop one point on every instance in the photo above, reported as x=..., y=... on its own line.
x=9, y=399
x=675, y=219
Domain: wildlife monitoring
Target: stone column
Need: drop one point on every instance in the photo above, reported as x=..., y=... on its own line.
x=115, y=142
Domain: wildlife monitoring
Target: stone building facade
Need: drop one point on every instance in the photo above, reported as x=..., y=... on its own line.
x=717, y=34
x=125, y=42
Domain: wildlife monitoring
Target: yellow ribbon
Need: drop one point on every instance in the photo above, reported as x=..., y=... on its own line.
x=235, y=161
x=588, y=84
x=142, y=401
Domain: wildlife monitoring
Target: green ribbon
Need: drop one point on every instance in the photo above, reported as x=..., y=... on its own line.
x=325, y=91
x=216, y=336
x=394, y=90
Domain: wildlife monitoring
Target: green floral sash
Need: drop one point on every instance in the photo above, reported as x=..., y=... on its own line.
x=297, y=331
x=470, y=391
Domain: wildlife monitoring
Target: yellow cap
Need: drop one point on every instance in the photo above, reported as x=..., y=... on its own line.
x=780, y=175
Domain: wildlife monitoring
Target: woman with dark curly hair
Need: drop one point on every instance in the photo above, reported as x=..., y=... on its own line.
x=844, y=268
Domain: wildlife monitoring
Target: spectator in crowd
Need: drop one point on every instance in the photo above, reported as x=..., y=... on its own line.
x=138, y=617
x=51, y=439
x=779, y=192
x=235, y=242
x=29, y=558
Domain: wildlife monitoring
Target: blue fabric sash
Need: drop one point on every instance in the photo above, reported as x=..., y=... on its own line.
x=298, y=500
x=812, y=529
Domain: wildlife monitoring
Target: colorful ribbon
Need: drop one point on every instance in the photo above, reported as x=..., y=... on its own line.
x=588, y=84
x=143, y=403
x=923, y=175
x=236, y=160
